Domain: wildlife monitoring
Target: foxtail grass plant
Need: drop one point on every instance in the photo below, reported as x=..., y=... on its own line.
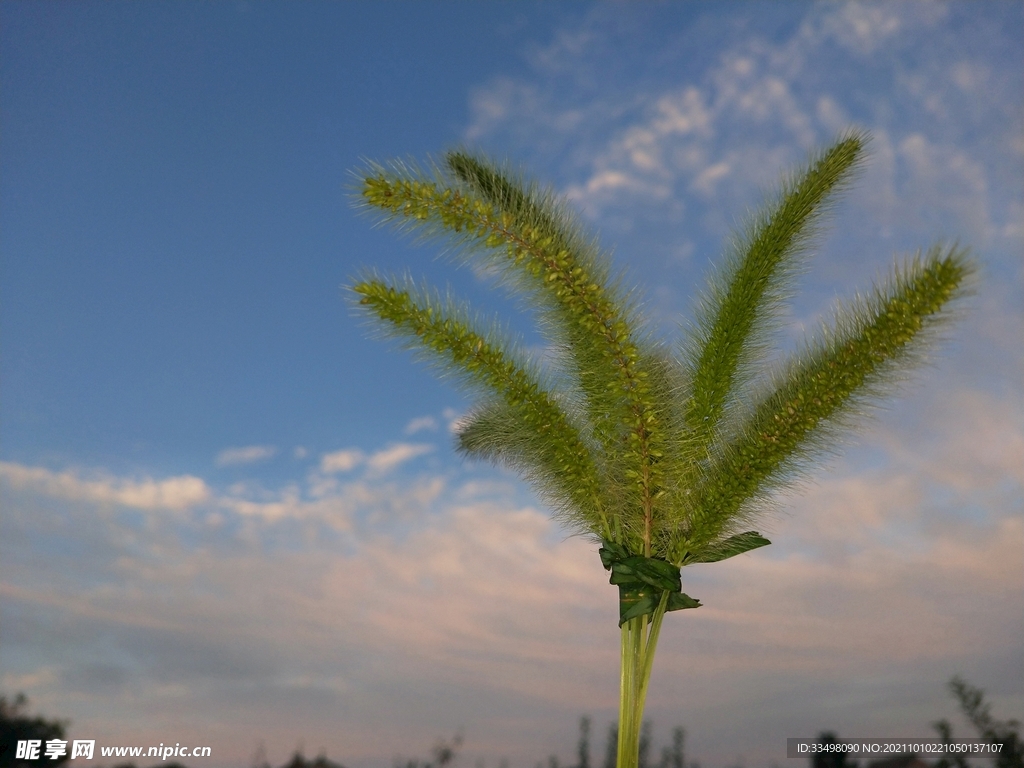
x=666, y=455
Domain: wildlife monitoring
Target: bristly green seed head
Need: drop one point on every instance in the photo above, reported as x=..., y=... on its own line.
x=628, y=442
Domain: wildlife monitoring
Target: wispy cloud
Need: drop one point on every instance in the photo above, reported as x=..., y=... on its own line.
x=724, y=129
x=174, y=493
x=865, y=27
x=486, y=602
x=341, y=461
x=477, y=593
x=421, y=423
x=380, y=462
x=454, y=420
x=249, y=454
x=394, y=455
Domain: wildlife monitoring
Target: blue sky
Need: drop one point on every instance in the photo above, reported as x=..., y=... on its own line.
x=230, y=517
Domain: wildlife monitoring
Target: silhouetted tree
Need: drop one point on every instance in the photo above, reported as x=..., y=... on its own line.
x=644, y=751
x=674, y=756
x=16, y=725
x=299, y=761
x=830, y=759
x=583, y=749
x=444, y=753
x=1003, y=732
x=671, y=757
x=946, y=734
x=259, y=757
x=611, y=752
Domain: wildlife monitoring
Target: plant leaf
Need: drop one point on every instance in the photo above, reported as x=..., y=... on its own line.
x=611, y=552
x=642, y=600
x=642, y=581
x=730, y=547
x=678, y=601
x=656, y=573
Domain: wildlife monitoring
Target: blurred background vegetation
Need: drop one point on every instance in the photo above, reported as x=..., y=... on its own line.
x=16, y=724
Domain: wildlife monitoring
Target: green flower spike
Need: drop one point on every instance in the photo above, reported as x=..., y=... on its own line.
x=663, y=456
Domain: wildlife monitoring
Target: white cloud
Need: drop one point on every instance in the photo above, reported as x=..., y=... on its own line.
x=492, y=106
x=946, y=181
x=335, y=592
x=335, y=511
x=643, y=150
x=707, y=179
x=175, y=493
x=740, y=114
x=831, y=114
x=975, y=445
x=421, y=423
x=483, y=602
x=928, y=186
x=341, y=461
x=453, y=420
x=387, y=459
x=40, y=677
x=381, y=461
x=862, y=27
x=249, y=454
x=322, y=498
x=971, y=75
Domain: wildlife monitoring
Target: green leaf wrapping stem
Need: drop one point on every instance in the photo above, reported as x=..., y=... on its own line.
x=642, y=582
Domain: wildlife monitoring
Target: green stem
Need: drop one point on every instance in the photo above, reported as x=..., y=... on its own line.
x=639, y=641
x=648, y=653
x=629, y=743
